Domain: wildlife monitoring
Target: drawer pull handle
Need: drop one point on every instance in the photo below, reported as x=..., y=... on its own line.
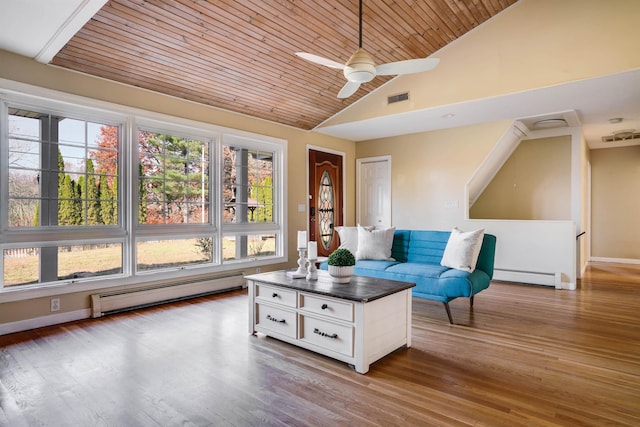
x=275, y=295
x=324, y=334
x=273, y=319
x=324, y=306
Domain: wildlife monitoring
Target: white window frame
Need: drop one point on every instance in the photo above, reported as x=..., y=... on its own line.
x=128, y=230
x=278, y=226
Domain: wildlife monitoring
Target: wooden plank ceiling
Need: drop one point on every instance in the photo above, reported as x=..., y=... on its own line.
x=239, y=55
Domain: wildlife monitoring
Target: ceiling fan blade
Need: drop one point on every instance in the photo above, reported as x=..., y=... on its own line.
x=320, y=60
x=348, y=89
x=407, y=67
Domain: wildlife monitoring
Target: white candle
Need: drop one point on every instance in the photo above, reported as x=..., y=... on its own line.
x=302, y=239
x=313, y=250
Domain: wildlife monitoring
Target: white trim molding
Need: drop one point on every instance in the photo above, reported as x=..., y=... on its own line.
x=615, y=260
x=40, y=322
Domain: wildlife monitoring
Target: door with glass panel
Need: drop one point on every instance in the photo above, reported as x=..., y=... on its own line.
x=325, y=199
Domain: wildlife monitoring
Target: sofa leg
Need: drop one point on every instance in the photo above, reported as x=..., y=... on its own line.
x=446, y=307
x=471, y=301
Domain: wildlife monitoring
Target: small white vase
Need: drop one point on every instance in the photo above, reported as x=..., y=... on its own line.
x=341, y=274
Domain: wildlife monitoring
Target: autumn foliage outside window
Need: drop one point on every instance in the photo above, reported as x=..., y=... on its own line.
x=173, y=179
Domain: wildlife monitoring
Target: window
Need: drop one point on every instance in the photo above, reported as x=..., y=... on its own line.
x=62, y=175
x=173, y=179
x=174, y=201
x=62, y=171
x=173, y=253
x=81, y=201
x=23, y=265
x=248, y=185
x=250, y=224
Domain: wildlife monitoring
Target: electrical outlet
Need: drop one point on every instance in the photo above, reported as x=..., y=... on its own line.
x=55, y=304
x=258, y=269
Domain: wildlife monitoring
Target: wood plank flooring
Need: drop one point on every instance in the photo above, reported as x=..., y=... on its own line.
x=526, y=355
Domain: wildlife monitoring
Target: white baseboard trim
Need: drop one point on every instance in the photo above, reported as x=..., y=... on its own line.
x=615, y=260
x=40, y=322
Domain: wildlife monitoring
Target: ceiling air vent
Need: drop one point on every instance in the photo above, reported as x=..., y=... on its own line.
x=398, y=98
x=550, y=123
x=621, y=135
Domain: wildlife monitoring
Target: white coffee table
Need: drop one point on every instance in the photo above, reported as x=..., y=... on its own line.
x=357, y=323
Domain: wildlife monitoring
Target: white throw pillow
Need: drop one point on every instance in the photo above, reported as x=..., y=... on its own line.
x=349, y=237
x=462, y=249
x=375, y=244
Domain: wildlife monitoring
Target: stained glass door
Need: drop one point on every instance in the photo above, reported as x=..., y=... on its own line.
x=326, y=209
x=325, y=200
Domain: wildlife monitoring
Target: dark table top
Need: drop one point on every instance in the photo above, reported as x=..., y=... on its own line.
x=361, y=289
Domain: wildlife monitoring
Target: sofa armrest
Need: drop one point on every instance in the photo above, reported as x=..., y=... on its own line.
x=487, y=255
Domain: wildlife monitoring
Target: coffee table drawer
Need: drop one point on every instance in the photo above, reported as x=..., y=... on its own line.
x=275, y=319
x=328, y=335
x=275, y=295
x=329, y=307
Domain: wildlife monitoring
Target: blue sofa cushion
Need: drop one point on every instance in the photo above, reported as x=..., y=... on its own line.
x=371, y=268
x=418, y=269
x=374, y=265
x=400, y=247
x=427, y=246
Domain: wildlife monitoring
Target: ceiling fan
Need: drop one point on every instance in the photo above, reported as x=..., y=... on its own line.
x=361, y=68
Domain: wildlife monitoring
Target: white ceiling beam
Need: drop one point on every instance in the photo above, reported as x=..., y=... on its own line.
x=76, y=20
x=38, y=29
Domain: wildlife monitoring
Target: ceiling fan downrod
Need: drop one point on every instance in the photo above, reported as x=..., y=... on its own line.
x=360, y=26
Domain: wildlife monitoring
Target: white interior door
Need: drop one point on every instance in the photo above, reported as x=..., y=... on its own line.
x=373, y=191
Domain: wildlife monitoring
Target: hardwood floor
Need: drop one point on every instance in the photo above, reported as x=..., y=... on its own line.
x=526, y=355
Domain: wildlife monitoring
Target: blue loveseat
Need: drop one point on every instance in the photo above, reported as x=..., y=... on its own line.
x=417, y=255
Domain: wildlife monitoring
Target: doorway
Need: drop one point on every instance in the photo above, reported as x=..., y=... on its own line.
x=326, y=199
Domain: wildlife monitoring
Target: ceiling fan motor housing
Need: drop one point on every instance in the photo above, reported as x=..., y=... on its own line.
x=360, y=68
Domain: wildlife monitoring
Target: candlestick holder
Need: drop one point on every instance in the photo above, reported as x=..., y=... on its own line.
x=312, y=271
x=301, y=271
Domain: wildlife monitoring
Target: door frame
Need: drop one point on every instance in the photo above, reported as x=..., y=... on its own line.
x=344, y=179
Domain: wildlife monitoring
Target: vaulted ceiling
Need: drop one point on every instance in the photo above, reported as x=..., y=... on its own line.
x=240, y=55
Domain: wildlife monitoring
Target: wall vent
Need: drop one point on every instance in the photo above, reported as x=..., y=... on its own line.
x=621, y=136
x=398, y=98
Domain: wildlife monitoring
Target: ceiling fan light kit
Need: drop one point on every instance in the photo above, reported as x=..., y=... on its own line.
x=361, y=67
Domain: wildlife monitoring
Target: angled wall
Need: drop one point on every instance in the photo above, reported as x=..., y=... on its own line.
x=532, y=44
x=533, y=184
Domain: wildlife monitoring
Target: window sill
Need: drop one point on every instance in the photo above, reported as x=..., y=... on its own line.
x=21, y=293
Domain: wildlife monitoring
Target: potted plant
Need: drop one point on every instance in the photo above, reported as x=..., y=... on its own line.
x=341, y=262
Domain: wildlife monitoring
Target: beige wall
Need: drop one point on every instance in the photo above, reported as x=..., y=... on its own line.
x=615, y=203
x=533, y=184
x=430, y=169
x=532, y=44
x=23, y=70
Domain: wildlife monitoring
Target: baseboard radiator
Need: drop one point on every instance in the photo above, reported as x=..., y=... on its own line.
x=130, y=299
x=531, y=277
